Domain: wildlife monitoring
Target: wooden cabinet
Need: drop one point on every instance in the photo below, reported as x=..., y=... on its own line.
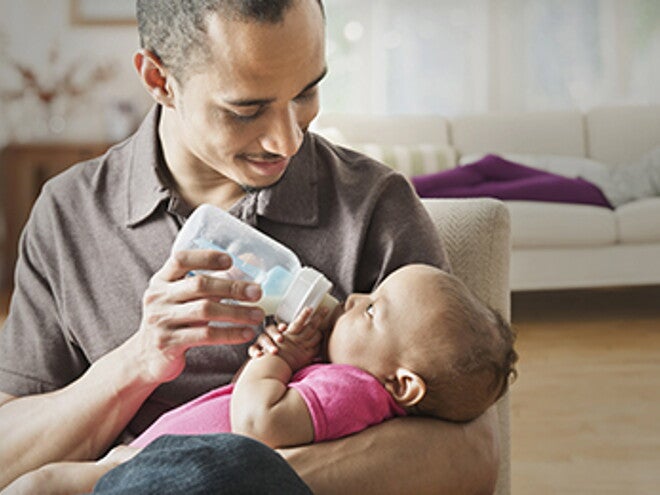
x=23, y=170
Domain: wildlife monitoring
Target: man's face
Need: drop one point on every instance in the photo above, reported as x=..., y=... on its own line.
x=243, y=116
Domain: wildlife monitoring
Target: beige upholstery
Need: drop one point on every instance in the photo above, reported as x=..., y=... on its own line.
x=476, y=235
x=554, y=245
x=620, y=135
x=401, y=129
x=557, y=133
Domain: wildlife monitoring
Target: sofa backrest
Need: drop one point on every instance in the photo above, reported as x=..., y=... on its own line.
x=621, y=135
x=411, y=144
x=386, y=130
x=548, y=133
x=416, y=144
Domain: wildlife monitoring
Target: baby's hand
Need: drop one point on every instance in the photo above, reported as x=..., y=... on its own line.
x=297, y=343
x=302, y=338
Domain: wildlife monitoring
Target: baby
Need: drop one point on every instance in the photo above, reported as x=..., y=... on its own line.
x=420, y=344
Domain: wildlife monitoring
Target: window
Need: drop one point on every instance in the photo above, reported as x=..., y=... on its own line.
x=464, y=56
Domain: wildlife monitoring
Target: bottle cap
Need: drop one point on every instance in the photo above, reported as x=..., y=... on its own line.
x=306, y=291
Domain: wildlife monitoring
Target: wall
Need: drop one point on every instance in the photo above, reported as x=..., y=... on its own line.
x=452, y=57
x=29, y=32
x=468, y=56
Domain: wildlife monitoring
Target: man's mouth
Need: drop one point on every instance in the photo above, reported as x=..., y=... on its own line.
x=267, y=166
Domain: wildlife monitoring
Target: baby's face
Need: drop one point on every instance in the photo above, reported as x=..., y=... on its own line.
x=377, y=331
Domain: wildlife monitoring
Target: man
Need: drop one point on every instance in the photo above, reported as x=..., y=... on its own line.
x=83, y=363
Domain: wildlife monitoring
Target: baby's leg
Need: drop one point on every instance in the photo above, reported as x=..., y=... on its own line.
x=59, y=478
x=69, y=478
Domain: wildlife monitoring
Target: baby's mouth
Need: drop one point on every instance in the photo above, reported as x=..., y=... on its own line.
x=327, y=326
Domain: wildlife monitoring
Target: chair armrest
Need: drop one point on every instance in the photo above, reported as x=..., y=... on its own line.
x=476, y=236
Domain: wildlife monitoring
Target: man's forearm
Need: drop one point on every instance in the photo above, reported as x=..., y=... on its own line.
x=77, y=422
x=405, y=455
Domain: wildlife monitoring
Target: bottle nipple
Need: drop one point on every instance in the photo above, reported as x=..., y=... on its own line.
x=332, y=305
x=308, y=288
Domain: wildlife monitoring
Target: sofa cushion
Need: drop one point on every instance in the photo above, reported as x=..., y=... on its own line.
x=557, y=133
x=620, y=135
x=538, y=224
x=386, y=129
x=410, y=160
x=639, y=221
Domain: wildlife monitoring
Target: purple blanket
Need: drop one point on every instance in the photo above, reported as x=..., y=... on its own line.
x=495, y=177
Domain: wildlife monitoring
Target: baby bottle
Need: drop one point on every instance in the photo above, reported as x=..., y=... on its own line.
x=287, y=287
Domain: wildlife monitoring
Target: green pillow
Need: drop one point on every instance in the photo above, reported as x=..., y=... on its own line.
x=411, y=159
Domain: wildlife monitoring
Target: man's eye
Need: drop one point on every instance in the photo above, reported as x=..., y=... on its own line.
x=307, y=95
x=245, y=118
x=370, y=310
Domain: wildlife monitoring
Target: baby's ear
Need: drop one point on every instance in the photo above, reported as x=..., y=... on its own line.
x=406, y=387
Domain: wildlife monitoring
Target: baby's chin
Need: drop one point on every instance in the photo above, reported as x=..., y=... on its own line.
x=331, y=320
x=323, y=354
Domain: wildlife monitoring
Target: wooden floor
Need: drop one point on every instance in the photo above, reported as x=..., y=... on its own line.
x=585, y=410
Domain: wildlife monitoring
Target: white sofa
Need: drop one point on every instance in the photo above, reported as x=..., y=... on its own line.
x=554, y=245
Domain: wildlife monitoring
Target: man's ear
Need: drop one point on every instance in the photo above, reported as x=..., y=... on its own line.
x=154, y=77
x=406, y=387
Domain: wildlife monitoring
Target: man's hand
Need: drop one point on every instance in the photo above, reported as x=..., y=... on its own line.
x=455, y=458
x=178, y=312
x=93, y=410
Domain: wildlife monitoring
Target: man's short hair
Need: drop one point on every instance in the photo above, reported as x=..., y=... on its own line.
x=175, y=30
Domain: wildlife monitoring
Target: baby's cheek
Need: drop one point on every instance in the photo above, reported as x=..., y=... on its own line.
x=342, y=347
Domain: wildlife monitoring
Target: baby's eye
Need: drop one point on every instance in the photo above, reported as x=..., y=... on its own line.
x=370, y=310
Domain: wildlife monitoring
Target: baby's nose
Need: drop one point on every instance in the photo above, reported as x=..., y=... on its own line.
x=355, y=299
x=350, y=301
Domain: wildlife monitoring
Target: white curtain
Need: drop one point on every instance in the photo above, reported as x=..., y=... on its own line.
x=466, y=56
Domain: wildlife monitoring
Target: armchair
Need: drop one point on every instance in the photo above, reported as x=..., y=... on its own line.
x=476, y=235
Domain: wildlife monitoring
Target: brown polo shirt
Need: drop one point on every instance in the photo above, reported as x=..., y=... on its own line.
x=100, y=230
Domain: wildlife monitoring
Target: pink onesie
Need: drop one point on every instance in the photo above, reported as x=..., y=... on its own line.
x=341, y=400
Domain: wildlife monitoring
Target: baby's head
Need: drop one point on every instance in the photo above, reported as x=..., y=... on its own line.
x=435, y=346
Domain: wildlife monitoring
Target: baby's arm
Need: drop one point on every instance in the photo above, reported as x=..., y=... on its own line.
x=262, y=406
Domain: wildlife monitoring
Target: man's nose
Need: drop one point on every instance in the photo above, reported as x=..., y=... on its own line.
x=283, y=136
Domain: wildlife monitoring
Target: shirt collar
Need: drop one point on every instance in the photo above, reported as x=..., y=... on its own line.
x=292, y=200
x=146, y=190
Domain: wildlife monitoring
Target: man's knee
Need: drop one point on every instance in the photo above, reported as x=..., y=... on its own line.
x=191, y=464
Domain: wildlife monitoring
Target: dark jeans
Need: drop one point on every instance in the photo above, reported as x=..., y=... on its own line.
x=201, y=464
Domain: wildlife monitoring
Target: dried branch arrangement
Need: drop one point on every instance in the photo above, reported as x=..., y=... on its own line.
x=77, y=79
